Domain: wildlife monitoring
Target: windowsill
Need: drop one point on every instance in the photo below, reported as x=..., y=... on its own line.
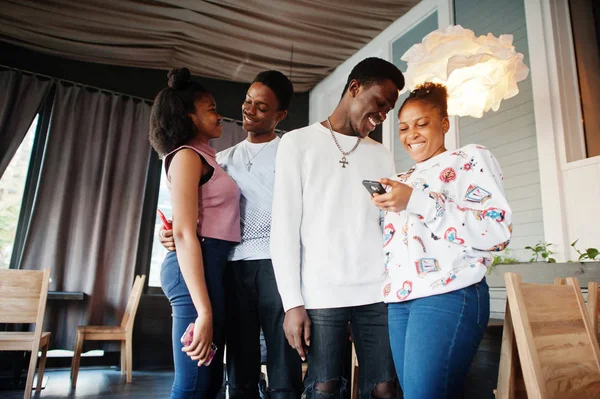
x=582, y=163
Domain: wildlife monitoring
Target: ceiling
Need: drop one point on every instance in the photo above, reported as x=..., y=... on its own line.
x=229, y=39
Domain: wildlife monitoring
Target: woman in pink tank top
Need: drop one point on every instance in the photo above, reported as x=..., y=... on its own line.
x=206, y=223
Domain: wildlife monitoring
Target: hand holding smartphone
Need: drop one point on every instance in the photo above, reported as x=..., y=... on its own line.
x=188, y=337
x=165, y=222
x=374, y=187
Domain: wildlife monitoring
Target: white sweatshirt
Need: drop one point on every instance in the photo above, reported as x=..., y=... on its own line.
x=325, y=232
x=456, y=215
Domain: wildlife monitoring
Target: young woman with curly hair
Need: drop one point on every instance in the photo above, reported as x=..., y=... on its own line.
x=206, y=223
x=444, y=216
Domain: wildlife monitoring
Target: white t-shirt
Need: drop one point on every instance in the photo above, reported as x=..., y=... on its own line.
x=256, y=187
x=325, y=235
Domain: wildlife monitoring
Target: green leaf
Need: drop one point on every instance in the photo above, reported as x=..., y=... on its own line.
x=528, y=247
x=531, y=260
x=544, y=255
x=574, y=242
x=592, y=253
x=551, y=260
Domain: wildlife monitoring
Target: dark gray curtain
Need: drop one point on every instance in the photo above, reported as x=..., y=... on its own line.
x=20, y=100
x=85, y=221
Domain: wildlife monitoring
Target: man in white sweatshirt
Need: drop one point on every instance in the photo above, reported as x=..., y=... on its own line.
x=326, y=237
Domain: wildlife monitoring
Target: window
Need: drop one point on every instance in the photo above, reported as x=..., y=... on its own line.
x=12, y=187
x=158, y=251
x=585, y=15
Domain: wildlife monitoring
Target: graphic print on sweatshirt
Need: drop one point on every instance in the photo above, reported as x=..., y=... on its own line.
x=456, y=216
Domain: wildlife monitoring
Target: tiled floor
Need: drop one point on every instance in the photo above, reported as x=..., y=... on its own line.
x=106, y=382
x=102, y=383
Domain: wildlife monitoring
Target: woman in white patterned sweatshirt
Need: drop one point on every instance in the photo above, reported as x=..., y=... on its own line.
x=444, y=217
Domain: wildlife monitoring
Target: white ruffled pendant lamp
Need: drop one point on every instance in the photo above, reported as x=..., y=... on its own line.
x=479, y=72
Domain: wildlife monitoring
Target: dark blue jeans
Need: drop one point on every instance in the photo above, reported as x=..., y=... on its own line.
x=434, y=340
x=328, y=343
x=253, y=302
x=191, y=381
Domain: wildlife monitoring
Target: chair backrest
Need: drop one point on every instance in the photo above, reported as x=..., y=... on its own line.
x=594, y=306
x=558, y=350
x=23, y=295
x=133, y=302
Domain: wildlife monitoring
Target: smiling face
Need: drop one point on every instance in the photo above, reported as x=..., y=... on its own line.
x=260, y=111
x=422, y=129
x=206, y=118
x=370, y=105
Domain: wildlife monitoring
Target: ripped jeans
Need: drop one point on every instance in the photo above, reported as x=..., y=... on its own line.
x=329, y=340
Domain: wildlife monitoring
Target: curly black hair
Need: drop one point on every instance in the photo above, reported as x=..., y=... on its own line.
x=170, y=124
x=434, y=94
x=374, y=70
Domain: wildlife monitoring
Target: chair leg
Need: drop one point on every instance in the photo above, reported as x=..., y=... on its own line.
x=76, y=359
x=30, y=373
x=129, y=351
x=42, y=366
x=123, y=358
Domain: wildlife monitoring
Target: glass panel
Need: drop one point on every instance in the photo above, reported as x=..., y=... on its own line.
x=584, y=22
x=12, y=186
x=158, y=251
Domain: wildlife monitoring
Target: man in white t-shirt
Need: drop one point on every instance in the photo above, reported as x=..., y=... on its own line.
x=326, y=239
x=253, y=301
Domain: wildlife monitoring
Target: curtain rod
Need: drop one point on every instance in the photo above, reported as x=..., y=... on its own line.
x=225, y=118
x=77, y=83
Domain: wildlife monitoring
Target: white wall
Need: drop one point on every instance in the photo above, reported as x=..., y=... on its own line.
x=510, y=132
x=570, y=189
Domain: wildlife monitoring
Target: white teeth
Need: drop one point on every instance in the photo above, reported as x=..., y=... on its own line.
x=373, y=121
x=416, y=146
x=248, y=119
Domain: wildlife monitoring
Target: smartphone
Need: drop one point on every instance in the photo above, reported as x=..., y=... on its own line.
x=188, y=337
x=374, y=187
x=165, y=222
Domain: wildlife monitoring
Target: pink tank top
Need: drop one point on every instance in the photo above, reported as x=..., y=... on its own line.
x=218, y=198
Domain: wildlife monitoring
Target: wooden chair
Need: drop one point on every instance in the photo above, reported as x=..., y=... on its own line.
x=557, y=350
x=594, y=306
x=121, y=333
x=23, y=295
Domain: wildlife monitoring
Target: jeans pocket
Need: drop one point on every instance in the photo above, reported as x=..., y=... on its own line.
x=170, y=275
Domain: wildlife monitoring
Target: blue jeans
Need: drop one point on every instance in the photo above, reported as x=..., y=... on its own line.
x=191, y=381
x=329, y=340
x=253, y=303
x=434, y=340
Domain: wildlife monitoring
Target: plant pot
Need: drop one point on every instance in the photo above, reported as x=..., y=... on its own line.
x=545, y=273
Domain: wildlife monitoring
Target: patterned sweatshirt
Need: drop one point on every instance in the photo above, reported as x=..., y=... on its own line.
x=456, y=215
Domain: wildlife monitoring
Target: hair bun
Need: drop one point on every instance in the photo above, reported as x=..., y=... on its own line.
x=179, y=78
